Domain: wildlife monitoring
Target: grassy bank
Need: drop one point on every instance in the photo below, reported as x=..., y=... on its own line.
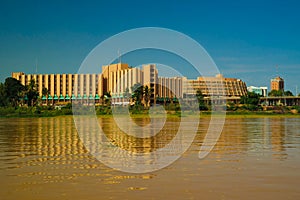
x=106, y=111
x=33, y=112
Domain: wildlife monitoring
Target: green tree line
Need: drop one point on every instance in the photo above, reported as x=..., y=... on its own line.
x=13, y=93
x=279, y=93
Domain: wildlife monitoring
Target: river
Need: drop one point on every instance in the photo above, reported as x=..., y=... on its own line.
x=254, y=158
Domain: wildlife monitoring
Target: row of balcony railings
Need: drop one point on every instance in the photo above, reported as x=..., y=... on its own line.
x=162, y=99
x=67, y=97
x=175, y=99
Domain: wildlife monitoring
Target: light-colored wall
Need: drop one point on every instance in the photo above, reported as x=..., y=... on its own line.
x=218, y=86
x=170, y=87
x=121, y=76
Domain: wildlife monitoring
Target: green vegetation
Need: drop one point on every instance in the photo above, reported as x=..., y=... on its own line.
x=297, y=108
x=141, y=95
x=249, y=104
x=279, y=93
x=45, y=92
x=17, y=100
x=202, y=105
x=14, y=94
x=250, y=101
x=11, y=92
x=34, y=111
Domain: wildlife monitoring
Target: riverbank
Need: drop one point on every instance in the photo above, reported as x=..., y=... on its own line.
x=24, y=112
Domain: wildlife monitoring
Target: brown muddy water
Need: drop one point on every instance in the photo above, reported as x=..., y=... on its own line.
x=255, y=158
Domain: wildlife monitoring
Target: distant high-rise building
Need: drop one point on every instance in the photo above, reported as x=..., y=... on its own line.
x=277, y=84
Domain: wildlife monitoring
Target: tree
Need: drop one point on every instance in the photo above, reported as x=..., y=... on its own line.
x=45, y=92
x=3, y=97
x=107, y=97
x=279, y=93
x=12, y=90
x=22, y=96
x=200, y=98
x=251, y=100
x=147, y=95
x=32, y=93
x=137, y=93
x=102, y=99
x=276, y=93
x=288, y=93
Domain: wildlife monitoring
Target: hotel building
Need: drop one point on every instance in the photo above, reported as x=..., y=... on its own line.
x=63, y=87
x=114, y=79
x=170, y=87
x=118, y=78
x=217, y=86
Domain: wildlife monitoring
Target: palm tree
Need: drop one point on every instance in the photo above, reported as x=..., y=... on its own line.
x=102, y=99
x=32, y=93
x=45, y=92
x=107, y=97
x=200, y=98
x=137, y=93
x=147, y=95
x=22, y=95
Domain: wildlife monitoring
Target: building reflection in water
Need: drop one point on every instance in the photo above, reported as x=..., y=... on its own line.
x=138, y=144
x=53, y=145
x=123, y=151
x=252, y=135
x=278, y=130
x=273, y=132
x=232, y=141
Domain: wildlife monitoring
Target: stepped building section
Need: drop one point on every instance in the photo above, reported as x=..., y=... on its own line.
x=217, y=86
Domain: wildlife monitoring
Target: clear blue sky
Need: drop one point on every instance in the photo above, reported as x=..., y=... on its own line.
x=246, y=39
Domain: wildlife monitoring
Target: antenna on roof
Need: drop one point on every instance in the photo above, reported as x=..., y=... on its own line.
x=277, y=74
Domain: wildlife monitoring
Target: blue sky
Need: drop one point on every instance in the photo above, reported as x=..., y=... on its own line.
x=246, y=39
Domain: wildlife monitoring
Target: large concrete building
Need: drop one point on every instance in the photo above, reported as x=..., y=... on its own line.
x=215, y=86
x=277, y=84
x=170, y=87
x=114, y=79
x=63, y=87
x=119, y=78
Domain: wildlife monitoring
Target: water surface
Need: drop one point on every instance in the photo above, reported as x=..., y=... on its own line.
x=255, y=158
